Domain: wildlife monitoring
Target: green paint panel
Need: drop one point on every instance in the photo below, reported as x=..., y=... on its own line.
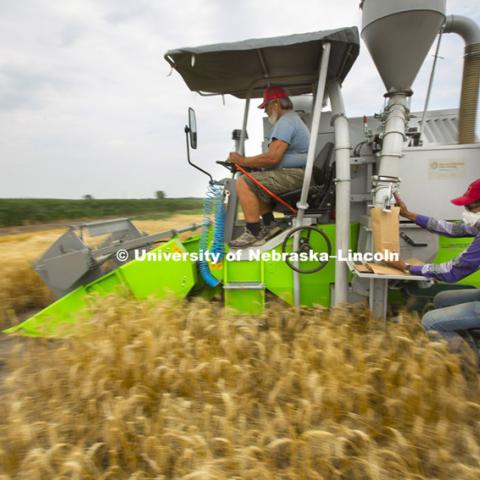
x=279, y=279
x=48, y=321
x=243, y=271
x=315, y=287
x=161, y=277
x=450, y=248
x=245, y=301
x=192, y=244
x=106, y=284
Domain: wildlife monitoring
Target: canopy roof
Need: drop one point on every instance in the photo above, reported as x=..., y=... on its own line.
x=291, y=61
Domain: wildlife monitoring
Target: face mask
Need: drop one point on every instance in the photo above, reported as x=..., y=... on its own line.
x=273, y=117
x=471, y=218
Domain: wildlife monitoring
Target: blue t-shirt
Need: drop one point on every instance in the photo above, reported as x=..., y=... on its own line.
x=291, y=129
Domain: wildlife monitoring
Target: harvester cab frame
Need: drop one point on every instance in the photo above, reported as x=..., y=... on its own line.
x=312, y=63
x=365, y=160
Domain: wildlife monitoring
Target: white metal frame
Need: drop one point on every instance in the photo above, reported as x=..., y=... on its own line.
x=302, y=204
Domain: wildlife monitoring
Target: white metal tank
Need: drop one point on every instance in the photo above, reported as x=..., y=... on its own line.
x=399, y=34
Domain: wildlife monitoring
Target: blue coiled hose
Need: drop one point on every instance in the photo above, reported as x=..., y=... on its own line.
x=212, y=206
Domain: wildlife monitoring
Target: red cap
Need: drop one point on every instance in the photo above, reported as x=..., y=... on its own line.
x=272, y=93
x=471, y=195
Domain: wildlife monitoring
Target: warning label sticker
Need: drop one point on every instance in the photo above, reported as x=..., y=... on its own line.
x=445, y=169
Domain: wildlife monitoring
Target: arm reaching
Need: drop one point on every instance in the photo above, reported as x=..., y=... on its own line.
x=460, y=267
x=448, y=229
x=442, y=227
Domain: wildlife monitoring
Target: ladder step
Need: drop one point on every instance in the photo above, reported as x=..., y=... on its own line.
x=244, y=286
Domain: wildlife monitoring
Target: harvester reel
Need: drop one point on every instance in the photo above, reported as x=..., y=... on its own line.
x=305, y=246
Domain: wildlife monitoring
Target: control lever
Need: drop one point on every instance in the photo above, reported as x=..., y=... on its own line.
x=412, y=242
x=231, y=166
x=227, y=165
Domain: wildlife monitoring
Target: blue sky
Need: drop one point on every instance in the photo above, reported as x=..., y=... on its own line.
x=87, y=104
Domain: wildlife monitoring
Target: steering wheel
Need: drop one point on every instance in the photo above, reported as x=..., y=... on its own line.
x=308, y=236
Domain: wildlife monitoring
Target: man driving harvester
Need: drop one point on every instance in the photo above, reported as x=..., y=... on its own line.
x=282, y=168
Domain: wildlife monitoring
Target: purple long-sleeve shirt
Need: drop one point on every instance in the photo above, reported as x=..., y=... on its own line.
x=462, y=265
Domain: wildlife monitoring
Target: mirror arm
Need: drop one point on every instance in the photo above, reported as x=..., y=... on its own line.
x=187, y=131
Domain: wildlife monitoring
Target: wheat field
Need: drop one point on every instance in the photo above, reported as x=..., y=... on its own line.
x=187, y=390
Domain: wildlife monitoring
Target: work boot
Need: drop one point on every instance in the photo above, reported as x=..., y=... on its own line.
x=271, y=230
x=248, y=239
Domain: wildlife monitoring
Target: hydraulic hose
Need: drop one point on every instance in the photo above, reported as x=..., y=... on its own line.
x=212, y=206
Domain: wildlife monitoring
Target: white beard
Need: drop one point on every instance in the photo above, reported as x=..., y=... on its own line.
x=273, y=117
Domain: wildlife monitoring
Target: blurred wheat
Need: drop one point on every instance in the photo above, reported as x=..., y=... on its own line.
x=20, y=286
x=188, y=391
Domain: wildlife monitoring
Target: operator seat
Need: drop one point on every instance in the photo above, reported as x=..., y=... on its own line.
x=321, y=196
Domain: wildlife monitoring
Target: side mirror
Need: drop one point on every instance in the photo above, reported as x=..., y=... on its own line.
x=192, y=127
x=191, y=132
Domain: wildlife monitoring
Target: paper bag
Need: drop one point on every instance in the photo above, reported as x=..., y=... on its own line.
x=386, y=270
x=362, y=268
x=386, y=230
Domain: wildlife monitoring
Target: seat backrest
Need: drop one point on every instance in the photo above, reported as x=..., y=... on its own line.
x=321, y=166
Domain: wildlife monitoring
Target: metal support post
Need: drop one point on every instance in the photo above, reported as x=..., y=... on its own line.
x=302, y=205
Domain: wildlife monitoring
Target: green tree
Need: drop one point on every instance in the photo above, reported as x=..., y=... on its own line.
x=160, y=195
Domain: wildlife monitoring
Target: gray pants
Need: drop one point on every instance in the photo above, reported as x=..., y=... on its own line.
x=455, y=310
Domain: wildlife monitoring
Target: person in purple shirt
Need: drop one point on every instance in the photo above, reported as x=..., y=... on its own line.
x=455, y=310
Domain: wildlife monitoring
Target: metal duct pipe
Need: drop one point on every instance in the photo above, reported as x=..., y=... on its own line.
x=470, y=32
x=394, y=135
x=463, y=26
x=396, y=117
x=343, y=180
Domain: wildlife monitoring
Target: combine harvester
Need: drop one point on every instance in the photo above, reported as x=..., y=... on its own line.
x=352, y=165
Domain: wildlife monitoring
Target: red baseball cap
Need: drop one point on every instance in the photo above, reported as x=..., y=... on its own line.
x=471, y=195
x=272, y=93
